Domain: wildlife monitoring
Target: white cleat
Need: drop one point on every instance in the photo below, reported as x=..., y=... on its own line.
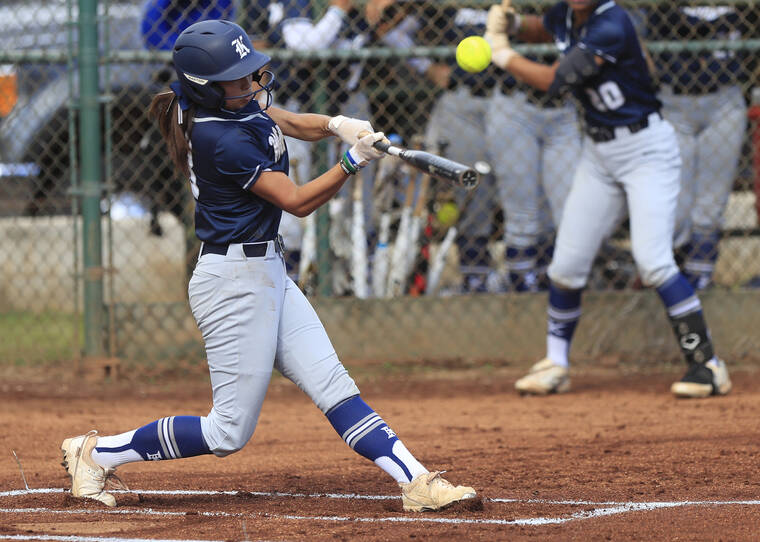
x=88, y=479
x=431, y=492
x=543, y=378
x=703, y=380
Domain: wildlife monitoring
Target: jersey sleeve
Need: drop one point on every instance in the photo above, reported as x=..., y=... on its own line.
x=239, y=158
x=606, y=39
x=554, y=19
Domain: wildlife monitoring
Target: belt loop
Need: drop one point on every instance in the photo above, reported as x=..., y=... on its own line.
x=279, y=245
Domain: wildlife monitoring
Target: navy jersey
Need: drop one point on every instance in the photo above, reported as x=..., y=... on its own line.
x=230, y=151
x=622, y=92
x=699, y=71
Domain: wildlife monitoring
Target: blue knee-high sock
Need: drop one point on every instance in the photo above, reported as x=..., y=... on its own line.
x=521, y=263
x=167, y=438
x=474, y=262
x=563, y=314
x=701, y=257
x=686, y=318
x=368, y=435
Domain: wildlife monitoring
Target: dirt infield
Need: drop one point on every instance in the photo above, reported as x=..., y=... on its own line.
x=616, y=459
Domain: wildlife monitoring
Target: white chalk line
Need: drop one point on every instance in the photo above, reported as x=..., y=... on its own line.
x=601, y=509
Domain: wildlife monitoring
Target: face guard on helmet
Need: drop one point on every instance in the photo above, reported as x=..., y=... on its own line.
x=212, y=51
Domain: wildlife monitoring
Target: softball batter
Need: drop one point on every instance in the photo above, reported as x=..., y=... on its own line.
x=630, y=162
x=252, y=316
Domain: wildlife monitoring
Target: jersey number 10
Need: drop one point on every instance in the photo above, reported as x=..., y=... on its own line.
x=607, y=97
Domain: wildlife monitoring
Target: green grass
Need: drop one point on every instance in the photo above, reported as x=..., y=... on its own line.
x=28, y=338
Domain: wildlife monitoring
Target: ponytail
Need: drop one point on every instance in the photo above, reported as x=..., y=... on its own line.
x=175, y=126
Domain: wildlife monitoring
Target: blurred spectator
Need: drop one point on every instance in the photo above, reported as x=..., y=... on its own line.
x=164, y=20
x=535, y=176
x=703, y=99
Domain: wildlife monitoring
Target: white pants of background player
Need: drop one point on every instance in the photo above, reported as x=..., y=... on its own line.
x=538, y=148
x=458, y=119
x=292, y=228
x=253, y=318
x=711, y=129
x=638, y=173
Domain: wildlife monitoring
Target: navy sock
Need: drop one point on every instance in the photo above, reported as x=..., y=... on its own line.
x=563, y=314
x=474, y=261
x=699, y=263
x=686, y=319
x=167, y=438
x=522, y=266
x=368, y=435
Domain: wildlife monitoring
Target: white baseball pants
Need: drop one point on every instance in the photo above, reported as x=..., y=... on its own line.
x=253, y=318
x=635, y=172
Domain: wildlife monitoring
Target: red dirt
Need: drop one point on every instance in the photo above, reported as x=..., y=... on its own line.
x=616, y=437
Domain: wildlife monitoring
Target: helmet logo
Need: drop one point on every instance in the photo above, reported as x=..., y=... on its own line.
x=240, y=47
x=196, y=80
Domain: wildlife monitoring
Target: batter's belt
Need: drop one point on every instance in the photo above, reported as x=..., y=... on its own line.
x=601, y=134
x=251, y=250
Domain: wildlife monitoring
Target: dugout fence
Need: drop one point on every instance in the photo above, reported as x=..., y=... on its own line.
x=96, y=230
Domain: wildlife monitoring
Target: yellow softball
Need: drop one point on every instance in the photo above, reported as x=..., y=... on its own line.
x=473, y=54
x=448, y=214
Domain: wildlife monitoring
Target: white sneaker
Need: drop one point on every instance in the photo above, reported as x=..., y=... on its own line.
x=88, y=479
x=431, y=492
x=703, y=380
x=545, y=377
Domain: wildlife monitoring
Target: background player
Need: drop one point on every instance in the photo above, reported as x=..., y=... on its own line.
x=630, y=161
x=251, y=315
x=458, y=119
x=533, y=188
x=703, y=99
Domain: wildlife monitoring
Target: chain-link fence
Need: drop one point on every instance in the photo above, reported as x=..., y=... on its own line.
x=478, y=255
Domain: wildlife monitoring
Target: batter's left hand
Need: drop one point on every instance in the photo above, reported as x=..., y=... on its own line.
x=348, y=129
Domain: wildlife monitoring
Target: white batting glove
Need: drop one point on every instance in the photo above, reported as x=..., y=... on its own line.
x=348, y=129
x=502, y=57
x=496, y=22
x=497, y=41
x=363, y=151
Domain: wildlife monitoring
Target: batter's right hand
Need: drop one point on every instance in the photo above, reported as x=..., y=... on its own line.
x=363, y=151
x=496, y=28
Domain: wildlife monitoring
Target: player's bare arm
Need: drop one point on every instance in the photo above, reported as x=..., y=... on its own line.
x=572, y=70
x=558, y=77
x=304, y=126
x=527, y=28
x=279, y=189
x=302, y=200
x=313, y=127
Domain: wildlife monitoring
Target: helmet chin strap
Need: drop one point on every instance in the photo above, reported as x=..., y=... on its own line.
x=241, y=96
x=267, y=88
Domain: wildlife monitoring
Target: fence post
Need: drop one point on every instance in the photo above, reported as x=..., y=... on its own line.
x=90, y=145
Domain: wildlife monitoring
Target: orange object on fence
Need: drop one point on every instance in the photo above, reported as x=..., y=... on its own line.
x=8, y=89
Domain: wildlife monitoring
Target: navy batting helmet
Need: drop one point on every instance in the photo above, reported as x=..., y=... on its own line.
x=211, y=51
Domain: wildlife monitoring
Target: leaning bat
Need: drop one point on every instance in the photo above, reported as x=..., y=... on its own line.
x=437, y=166
x=399, y=259
x=358, y=243
x=383, y=200
x=439, y=261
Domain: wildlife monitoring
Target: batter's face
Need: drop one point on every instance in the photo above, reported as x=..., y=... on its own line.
x=239, y=87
